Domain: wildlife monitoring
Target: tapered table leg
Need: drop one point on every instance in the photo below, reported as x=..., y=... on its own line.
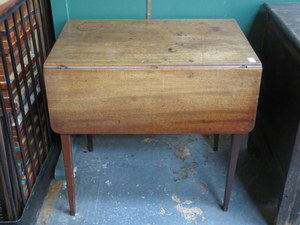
x=216, y=142
x=68, y=162
x=235, y=148
x=90, y=142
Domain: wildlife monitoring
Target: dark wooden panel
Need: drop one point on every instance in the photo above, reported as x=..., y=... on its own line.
x=278, y=113
x=290, y=202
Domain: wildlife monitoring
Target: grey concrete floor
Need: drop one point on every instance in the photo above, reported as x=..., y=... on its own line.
x=161, y=179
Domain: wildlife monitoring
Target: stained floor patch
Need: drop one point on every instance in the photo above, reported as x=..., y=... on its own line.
x=54, y=190
x=188, y=212
x=183, y=153
x=152, y=180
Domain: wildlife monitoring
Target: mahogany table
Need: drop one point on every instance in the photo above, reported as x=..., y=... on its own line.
x=151, y=77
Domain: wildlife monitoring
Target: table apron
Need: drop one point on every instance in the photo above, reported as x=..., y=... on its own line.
x=134, y=101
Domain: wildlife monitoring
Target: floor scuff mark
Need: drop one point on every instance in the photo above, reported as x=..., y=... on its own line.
x=162, y=212
x=189, y=213
x=182, y=175
x=205, y=159
x=104, y=166
x=190, y=166
x=108, y=183
x=64, y=185
x=175, y=198
x=148, y=140
x=183, y=153
x=203, y=186
x=187, y=202
x=54, y=190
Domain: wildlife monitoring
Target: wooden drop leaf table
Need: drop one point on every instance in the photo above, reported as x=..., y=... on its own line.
x=163, y=76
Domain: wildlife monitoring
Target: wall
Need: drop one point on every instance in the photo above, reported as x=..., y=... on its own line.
x=248, y=13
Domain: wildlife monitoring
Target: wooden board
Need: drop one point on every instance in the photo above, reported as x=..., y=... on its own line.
x=276, y=136
x=158, y=76
x=152, y=101
x=190, y=42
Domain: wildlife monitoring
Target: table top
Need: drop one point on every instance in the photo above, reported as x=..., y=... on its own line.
x=152, y=76
x=287, y=16
x=148, y=43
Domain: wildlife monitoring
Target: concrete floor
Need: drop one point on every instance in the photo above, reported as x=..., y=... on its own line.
x=161, y=180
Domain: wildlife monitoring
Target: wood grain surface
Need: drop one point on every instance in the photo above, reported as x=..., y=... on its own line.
x=152, y=76
x=190, y=42
x=66, y=144
x=152, y=101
